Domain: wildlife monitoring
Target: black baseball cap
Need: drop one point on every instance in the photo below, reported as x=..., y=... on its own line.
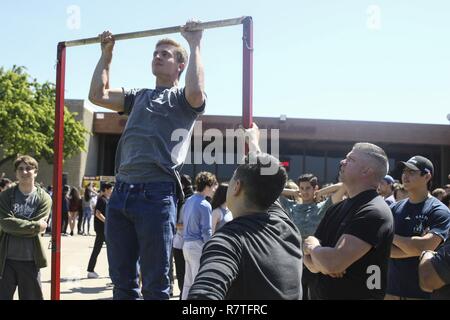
x=418, y=163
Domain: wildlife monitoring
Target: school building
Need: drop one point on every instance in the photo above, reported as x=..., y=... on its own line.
x=305, y=145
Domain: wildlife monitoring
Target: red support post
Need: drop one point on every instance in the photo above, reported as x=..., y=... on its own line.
x=57, y=172
x=247, y=73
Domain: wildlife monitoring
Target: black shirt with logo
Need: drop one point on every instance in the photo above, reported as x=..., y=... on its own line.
x=367, y=217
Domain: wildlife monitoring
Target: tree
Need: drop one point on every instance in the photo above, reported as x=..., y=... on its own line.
x=27, y=118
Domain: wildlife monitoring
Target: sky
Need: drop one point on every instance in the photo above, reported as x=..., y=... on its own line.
x=385, y=60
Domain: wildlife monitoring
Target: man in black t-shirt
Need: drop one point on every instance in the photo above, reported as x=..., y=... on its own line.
x=350, y=250
x=258, y=254
x=99, y=227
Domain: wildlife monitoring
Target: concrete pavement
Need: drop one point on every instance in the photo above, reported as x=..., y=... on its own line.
x=75, y=254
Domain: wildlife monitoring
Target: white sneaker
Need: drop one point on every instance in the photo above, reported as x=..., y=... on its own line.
x=92, y=275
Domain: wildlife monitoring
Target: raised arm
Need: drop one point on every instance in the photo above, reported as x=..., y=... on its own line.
x=100, y=94
x=337, y=192
x=195, y=85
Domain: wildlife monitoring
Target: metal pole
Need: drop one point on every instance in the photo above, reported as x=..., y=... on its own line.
x=157, y=32
x=247, y=73
x=57, y=172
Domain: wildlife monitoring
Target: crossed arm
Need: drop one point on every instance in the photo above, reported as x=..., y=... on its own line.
x=406, y=247
x=429, y=279
x=333, y=261
x=22, y=227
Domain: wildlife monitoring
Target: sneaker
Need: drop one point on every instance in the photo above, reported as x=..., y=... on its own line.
x=92, y=275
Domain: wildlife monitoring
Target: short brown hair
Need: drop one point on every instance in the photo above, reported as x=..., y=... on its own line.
x=308, y=177
x=204, y=179
x=28, y=160
x=180, y=52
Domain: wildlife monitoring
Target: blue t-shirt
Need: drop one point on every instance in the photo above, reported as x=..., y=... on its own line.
x=157, y=135
x=197, y=219
x=441, y=264
x=412, y=219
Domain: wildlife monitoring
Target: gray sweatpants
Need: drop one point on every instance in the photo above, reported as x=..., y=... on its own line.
x=24, y=275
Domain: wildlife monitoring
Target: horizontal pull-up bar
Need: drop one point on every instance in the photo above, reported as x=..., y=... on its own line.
x=158, y=32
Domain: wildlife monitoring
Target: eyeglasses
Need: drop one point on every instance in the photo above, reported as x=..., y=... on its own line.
x=27, y=168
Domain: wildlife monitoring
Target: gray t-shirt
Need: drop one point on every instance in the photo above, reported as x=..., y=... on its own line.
x=24, y=207
x=307, y=216
x=147, y=152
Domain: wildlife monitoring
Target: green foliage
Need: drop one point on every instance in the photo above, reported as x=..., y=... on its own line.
x=27, y=118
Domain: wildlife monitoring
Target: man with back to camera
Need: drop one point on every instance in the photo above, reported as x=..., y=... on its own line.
x=142, y=209
x=257, y=255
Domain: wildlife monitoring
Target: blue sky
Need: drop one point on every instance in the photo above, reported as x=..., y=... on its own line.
x=386, y=60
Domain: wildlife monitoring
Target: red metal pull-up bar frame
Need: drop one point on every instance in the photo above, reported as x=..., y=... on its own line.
x=247, y=111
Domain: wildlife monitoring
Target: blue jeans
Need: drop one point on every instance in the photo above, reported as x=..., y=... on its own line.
x=140, y=225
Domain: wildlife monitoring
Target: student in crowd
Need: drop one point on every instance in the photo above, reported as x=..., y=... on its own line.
x=99, y=227
x=386, y=189
x=399, y=192
x=24, y=209
x=89, y=202
x=438, y=193
x=197, y=225
x=4, y=184
x=65, y=210
x=75, y=206
x=220, y=212
x=178, y=241
x=422, y=223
